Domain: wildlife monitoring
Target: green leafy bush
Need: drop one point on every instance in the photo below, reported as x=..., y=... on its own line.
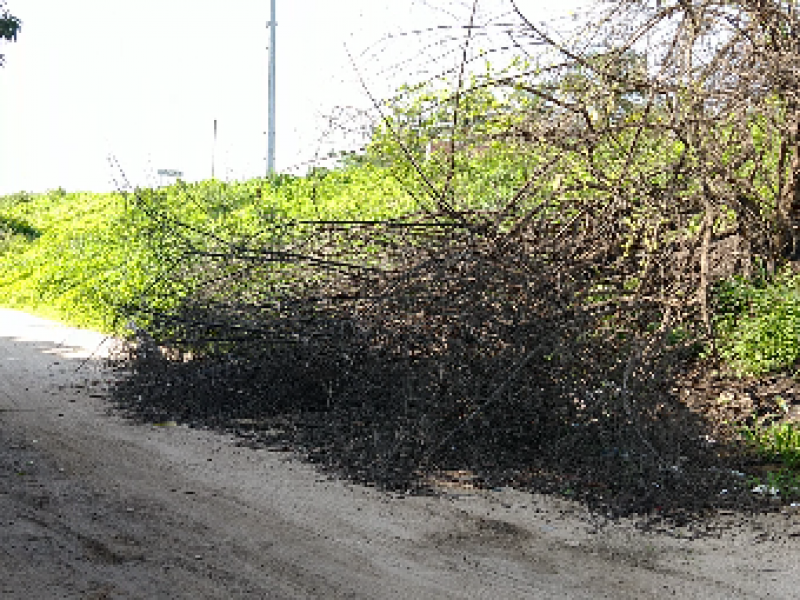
x=758, y=323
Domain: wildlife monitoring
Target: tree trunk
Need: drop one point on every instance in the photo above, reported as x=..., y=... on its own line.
x=787, y=239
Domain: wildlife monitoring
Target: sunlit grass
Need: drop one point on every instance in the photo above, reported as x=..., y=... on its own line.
x=83, y=258
x=778, y=443
x=758, y=323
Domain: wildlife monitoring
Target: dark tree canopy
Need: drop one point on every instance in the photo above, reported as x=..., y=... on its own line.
x=9, y=27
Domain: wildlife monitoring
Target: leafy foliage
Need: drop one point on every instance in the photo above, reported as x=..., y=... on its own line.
x=779, y=442
x=9, y=27
x=93, y=259
x=759, y=323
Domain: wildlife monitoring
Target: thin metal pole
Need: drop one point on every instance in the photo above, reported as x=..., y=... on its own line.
x=271, y=91
x=214, y=150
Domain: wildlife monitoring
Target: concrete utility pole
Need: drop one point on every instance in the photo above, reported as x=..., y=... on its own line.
x=271, y=119
x=214, y=150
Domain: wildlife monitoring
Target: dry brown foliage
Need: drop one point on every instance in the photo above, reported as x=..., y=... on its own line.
x=535, y=343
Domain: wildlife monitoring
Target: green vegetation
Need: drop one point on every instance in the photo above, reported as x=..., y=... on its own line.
x=778, y=443
x=758, y=323
x=91, y=259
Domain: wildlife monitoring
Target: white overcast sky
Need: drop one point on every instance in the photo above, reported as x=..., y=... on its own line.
x=145, y=79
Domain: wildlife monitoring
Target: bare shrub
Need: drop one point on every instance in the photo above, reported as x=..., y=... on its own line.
x=532, y=340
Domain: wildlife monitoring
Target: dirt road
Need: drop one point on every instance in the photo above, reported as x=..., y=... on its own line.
x=94, y=507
